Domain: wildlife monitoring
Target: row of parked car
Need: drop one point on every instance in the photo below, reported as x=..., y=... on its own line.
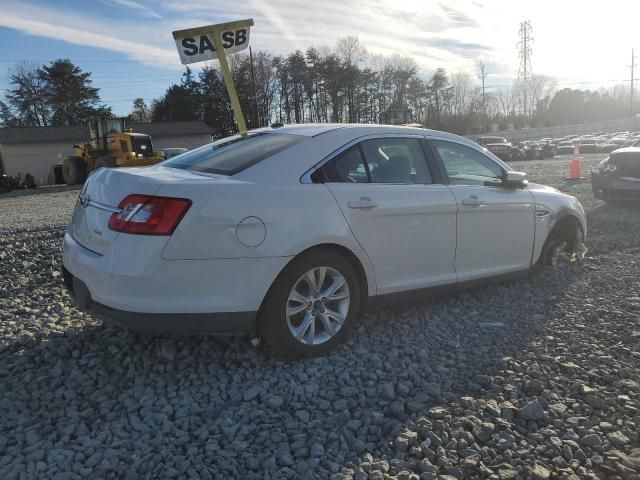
x=513, y=151
x=549, y=147
x=596, y=142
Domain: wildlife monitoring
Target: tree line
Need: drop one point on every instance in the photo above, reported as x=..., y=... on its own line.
x=341, y=84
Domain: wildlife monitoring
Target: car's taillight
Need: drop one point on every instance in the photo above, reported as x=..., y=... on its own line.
x=148, y=215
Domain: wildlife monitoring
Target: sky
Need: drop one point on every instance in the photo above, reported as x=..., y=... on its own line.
x=128, y=47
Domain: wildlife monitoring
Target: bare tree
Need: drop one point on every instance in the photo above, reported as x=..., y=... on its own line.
x=540, y=87
x=350, y=51
x=27, y=99
x=461, y=93
x=507, y=100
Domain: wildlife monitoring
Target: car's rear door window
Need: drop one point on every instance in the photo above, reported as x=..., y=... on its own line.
x=233, y=154
x=348, y=167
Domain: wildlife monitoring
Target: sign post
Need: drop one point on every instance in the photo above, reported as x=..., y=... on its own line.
x=215, y=41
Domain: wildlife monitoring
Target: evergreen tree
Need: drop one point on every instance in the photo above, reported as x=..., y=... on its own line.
x=180, y=102
x=69, y=94
x=140, y=112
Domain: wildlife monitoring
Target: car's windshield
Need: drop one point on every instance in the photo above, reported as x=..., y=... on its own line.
x=233, y=154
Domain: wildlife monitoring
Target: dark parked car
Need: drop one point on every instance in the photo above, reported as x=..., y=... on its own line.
x=564, y=148
x=517, y=151
x=499, y=146
x=588, y=146
x=618, y=176
x=548, y=150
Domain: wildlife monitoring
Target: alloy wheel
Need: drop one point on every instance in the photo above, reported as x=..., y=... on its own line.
x=318, y=305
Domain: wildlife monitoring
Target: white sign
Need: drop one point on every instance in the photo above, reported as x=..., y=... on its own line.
x=197, y=44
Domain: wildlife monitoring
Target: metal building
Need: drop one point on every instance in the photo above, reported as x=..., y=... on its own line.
x=35, y=149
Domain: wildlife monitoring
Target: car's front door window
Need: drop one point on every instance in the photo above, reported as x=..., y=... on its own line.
x=466, y=166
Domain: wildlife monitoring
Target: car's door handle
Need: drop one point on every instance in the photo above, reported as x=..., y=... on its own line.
x=473, y=201
x=363, y=204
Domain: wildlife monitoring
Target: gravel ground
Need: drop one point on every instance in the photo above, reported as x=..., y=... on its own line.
x=534, y=379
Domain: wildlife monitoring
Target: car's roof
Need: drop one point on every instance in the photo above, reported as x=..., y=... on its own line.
x=315, y=129
x=626, y=150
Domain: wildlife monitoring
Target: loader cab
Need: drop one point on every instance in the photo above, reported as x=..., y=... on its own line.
x=100, y=129
x=141, y=144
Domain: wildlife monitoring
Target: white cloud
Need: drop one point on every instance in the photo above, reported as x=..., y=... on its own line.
x=147, y=12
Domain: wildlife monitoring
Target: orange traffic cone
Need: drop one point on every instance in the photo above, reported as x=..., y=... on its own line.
x=575, y=169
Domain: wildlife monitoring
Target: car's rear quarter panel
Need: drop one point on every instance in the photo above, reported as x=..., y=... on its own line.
x=295, y=217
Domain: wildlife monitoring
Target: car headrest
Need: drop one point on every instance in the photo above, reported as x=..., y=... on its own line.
x=395, y=170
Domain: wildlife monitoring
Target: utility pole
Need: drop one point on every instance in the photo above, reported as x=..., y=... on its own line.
x=633, y=68
x=255, y=93
x=525, y=70
x=482, y=76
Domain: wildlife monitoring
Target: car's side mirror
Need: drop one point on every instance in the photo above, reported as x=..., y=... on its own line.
x=513, y=179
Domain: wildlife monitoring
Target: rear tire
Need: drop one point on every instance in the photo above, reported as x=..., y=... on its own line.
x=74, y=171
x=51, y=179
x=29, y=181
x=292, y=303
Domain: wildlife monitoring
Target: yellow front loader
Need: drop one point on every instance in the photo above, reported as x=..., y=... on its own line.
x=110, y=145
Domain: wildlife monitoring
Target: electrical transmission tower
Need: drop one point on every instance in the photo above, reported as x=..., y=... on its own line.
x=525, y=45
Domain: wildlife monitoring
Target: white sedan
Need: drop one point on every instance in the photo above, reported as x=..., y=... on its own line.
x=288, y=233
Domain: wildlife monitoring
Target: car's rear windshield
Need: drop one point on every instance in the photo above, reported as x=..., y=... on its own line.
x=233, y=154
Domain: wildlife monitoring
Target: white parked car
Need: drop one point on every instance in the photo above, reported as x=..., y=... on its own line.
x=290, y=232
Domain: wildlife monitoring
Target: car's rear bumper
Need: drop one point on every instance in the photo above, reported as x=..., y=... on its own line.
x=218, y=323
x=144, y=292
x=606, y=187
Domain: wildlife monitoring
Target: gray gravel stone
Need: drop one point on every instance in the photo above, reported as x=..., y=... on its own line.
x=591, y=440
x=274, y=401
x=253, y=392
x=532, y=411
x=388, y=391
x=618, y=439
